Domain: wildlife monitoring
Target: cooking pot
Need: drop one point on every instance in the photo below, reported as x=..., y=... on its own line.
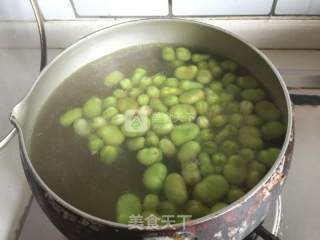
x=233, y=222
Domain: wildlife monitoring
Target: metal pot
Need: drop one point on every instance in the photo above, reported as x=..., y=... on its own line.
x=234, y=222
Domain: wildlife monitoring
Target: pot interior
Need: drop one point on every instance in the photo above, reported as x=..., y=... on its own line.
x=78, y=74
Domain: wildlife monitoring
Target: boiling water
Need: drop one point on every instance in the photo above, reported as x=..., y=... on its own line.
x=63, y=160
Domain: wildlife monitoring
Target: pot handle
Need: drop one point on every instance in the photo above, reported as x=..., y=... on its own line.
x=7, y=139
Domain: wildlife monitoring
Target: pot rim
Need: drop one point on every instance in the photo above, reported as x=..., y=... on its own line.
x=230, y=207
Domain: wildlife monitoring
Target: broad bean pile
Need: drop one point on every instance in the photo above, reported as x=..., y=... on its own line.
x=219, y=125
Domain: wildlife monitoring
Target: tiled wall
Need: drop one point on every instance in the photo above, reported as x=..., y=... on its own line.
x=71, y=9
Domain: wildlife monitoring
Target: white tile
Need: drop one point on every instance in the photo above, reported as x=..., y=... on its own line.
x=306, y=7
x=56, y=9
x=15, y=10
x=121, y=7
x=222, y=7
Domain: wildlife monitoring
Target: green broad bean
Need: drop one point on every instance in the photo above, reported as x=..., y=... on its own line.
x=186, y=72
x=167, y=91
x=170, y=100
x=191, y=173
x=152, y=139
x=232, y=107
x=135, y=144
x=151, y=202
x=183, y=54
x=110, y=101
x=153, y=91
x=126, y=103
x=126, y=84
x=213, y=63
x=247, y=82
x=235, y=174
x=158, y=79
x=196, y=209
x=236, y=120
x=218, y=121
x=188, y=152
x=228, y=132
x=219, y=160
x=82, y=127
x=183, y=113
x=228, y=65
x=206, y=167
x=130, y=129
x=202, y=107
x=246, y=107
x=161, y=123
x=237, y=160
x=154, y=177
x=253, y=120
x=203, y=65
x=234, y=194
x=113, y=78
x=254, y=165
x=210, y=147
x=92, y=108
x=117, y=119
x=206, y=135
x=215, y=110
x=168, y=54
x=196, y=58
x=247, y=153
x=253, y=95
x=211, y=189
x=138, y=74
x=143, y=99
x=184, y=133
x=111, y=135
x=145, y=82
x=250, y=137
x=218, y=206
x=204, y=76
x=149, y=156
x=167, y=147
x=269, y=156
x=228, y=78
x=217, y=72
x=254, y=176
x=127, y=205
x=186, y=85
x=216, y=86
x=135, y=92
x=171, y=82
x=213, y=98
x=119, y=93
x=145, y=110
x=273, y=130
x=166, y=208
x=69, y=117
x=226, y=98
x=175, y=189
x=203, y=122
x=109, y=113
x=229, y=147
x=267, y=111
x=97, y=122
x=192, y=96
x=109, y=154
x=233, y=90
x=94, y=144
x=157, y=105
